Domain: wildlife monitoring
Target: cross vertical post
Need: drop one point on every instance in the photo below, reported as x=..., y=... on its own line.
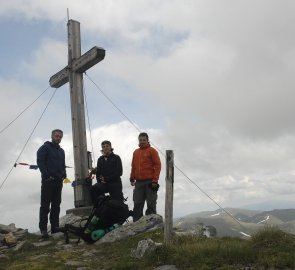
x=82, y=191
x=73, y=73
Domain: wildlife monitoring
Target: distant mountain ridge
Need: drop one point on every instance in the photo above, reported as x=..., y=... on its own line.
x=282, y=214
x=237, y=222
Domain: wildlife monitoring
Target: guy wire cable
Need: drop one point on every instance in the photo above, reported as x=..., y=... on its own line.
x=203, y=191
x=88, y=120
x=102, y=92
x=28, y=138
x=24, y=110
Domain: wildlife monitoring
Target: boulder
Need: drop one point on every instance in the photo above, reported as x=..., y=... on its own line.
x=9, y=239
x=143, y=246
x=146, y=223
x=7, y=228
x=167, y=267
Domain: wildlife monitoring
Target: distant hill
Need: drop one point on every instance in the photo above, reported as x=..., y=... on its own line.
x=283, y=215
x=236, y=212
x=235, y=222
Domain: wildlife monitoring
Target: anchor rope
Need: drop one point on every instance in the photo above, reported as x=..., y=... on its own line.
x=23, y=111
x=89, y=126
x=32, y=132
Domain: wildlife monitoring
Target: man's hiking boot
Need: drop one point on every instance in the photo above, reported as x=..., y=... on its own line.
x=54, y=230
x=44, y=235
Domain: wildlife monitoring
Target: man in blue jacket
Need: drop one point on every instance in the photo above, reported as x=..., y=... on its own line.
x=51, y=163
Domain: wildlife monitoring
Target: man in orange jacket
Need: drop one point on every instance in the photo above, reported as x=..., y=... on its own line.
x=145, y=172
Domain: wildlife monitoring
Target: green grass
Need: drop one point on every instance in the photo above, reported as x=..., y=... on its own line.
x=268, y=248
x=274, y=248
x=203, y=253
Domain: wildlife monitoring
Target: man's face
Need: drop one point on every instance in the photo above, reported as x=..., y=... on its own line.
x=106, y=149
x=56, y=137
x=143, y=141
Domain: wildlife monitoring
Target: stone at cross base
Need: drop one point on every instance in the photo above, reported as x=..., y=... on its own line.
x=146, y=223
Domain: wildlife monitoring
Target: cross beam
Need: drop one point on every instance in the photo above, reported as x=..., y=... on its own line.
x=73, y=73
x=80, y=65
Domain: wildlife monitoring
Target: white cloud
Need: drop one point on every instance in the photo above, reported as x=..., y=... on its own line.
x=50, y=54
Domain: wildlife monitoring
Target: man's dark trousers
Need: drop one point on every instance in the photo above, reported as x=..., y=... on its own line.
x=142, y=193
x=50, y=195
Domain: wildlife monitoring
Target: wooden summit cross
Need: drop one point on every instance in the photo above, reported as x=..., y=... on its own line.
x=73, y=73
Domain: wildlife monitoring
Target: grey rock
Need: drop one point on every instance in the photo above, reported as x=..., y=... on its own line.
x=20, y=233
x=71, y=219
x=72, y=241
x=42, y=244
x=10, y=236
x=182, y=228
x=3, y=248
x=38, y=257
x=68, y=246
x=143, y=246
x=74, y=263
x=58, y=235
x=19, y=246
x=187, y=227
x=9, y=239
x=88, y=254
x=167, y=267
x=8, y=228
x=60, y=243
x=146, y=223
x=24, y=245
x=2, y=256
x=210, y=231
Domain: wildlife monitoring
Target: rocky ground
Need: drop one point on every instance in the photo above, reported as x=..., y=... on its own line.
x=21, y=250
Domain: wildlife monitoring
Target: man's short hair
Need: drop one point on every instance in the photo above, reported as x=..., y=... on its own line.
x=143, y=134
x=106, y=142
x=56, y=130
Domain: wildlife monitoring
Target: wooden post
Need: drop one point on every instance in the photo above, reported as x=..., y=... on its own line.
x=168, y=225
x=73, y=73
x=82, y=191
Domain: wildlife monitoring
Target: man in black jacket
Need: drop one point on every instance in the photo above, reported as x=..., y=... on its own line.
x=108, y=174
x=51, y=163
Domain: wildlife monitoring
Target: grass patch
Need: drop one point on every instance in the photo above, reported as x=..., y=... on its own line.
x=274, y=248
x=188, y=252
x=268, y=248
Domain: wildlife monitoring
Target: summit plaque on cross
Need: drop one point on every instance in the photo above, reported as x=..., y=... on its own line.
x=73, y=73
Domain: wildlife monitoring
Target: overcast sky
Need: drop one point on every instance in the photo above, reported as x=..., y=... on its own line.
x=211, y=80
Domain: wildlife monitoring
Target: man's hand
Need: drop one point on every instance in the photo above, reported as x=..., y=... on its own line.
x=154, y=186
x=93, y=171
x=102, y=179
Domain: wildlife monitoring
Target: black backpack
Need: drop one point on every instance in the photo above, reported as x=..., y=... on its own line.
x=104, y=215
x=110, y=211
